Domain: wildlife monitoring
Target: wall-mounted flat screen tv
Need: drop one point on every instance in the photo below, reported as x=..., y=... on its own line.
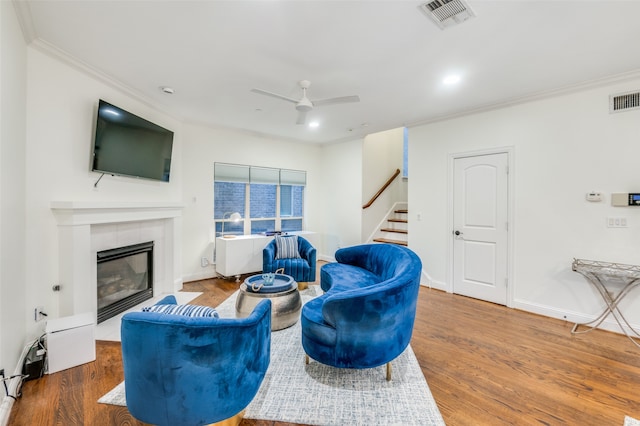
x=128, y=145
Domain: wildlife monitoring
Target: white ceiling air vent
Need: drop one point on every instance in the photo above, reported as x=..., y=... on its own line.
x=624, y=101
x=446, y=13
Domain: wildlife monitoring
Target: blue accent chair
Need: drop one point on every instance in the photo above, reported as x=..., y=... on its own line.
x=302, y=269
x=181, y=370
x=365, y=318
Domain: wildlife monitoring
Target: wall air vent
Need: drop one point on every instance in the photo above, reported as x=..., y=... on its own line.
x=446, y=13
x=624, y=101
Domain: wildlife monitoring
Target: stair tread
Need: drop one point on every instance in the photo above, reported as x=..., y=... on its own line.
x=402, y=211
x=386, y=240
x=398, y=220
x=398, y=231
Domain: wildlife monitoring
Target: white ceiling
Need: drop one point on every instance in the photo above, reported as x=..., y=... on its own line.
x=212, y=53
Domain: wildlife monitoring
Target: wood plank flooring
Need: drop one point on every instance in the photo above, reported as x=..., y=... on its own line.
x=485, y=365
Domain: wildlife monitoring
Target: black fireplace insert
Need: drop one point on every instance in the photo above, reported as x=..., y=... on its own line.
x=125, y=278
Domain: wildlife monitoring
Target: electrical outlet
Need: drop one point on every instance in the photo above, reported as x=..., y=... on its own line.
x=204, y=262
x=37, y=313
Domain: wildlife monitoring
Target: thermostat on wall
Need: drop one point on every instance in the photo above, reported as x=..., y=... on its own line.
x=624, y=199
x=594, y=196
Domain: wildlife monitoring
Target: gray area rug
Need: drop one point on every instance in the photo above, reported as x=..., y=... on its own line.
x=630, y=421
x=317, y=394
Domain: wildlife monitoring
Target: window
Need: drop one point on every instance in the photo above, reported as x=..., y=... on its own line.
x=267, y=199
x=286, y=200
x=263, y=207
x=230, y=198
x=291, y=202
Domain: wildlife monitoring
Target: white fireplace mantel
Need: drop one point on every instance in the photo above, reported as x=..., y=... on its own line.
x=91, y=213
x=81, y=229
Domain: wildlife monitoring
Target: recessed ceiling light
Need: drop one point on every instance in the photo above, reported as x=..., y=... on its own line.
x=452, y=79
x=314, y=124
x=168, y=90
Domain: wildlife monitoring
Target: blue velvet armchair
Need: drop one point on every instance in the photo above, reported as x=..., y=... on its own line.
x=365, y=318
x=181, y=370
x=302, y=268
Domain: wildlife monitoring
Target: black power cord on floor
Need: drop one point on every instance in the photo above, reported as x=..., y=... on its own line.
x=35, y=359
x=6, y=388
x=37, y=346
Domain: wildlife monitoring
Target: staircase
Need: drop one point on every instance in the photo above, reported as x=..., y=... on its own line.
x=395, y=232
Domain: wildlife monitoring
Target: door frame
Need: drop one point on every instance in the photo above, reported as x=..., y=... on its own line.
x=510, y=151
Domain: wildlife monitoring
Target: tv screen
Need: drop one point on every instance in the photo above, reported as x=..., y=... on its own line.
x=128, y=145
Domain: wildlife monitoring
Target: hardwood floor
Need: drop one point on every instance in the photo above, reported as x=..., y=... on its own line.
x=485, y=365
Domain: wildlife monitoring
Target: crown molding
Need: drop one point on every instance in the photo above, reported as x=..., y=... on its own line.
x=561, y=91
x=23, y=12
x=25, y=19
x=70, y=60
x=83, y=67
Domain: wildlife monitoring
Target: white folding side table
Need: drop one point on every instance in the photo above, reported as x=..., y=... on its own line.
x=602, y=275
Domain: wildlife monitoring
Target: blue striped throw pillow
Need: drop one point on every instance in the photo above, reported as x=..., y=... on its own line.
x=185, y=310
x=286, y=247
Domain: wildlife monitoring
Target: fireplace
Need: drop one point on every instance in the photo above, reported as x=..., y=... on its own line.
x=88, y=227
x=124, y=278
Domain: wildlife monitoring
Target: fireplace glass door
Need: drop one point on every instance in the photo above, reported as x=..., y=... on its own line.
x=125, y=278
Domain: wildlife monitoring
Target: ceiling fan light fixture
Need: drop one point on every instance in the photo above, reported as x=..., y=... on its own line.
x=304, y=104
x=314, y=124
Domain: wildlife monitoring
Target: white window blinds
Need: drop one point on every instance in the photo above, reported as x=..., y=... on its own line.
x=224, y=172
x=230, y=173
x=293, y=177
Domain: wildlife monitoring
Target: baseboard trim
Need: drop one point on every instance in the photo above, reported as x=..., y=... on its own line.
x=572, y=317
x=608, y=324
x=326, y=258
x=427, y=281
x=13, y=386
x=205, y=275
x=177, y=284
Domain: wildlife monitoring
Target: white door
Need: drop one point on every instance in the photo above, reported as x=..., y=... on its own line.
x=480, y=228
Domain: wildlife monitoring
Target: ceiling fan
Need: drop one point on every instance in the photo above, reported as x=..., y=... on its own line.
x=304, y=104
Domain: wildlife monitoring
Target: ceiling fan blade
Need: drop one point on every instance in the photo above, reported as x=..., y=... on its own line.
x=274, y=95
x=302, y=117
x=339, y=100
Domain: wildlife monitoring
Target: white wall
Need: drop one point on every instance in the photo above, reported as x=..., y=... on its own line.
x=341, y=190
x=204, y=146
x=61, y=104
x=381, y=156
x=564, y=147
x=13, y=84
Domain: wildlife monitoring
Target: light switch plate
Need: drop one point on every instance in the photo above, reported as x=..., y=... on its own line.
x=616, y=222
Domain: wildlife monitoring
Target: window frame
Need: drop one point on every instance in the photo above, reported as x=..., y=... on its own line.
x=261, y=175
